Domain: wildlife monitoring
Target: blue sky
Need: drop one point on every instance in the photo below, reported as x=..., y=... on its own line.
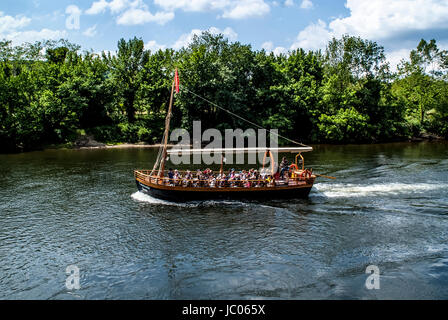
x=275, y=25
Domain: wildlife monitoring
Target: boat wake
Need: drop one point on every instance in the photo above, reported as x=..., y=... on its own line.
x=142, y=197
x=357, y=190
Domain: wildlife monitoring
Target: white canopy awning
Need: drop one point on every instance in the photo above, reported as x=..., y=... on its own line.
x=187, y=150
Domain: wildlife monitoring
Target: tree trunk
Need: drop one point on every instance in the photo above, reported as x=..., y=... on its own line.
x=130, y=109
x=422, y=114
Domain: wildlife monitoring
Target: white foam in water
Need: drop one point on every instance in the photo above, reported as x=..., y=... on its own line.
x=356, y=190
x=142, y=197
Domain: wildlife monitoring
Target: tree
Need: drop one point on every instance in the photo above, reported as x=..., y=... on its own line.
x=420, y=80
x=299, y=92
x=126, y=72
x=347, y=125
x=354, y=58
x=52, y=93
x=154, y=93
x=57, y=55
x=220, y=71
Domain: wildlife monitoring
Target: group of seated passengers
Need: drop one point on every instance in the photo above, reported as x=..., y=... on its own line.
x=207, y=178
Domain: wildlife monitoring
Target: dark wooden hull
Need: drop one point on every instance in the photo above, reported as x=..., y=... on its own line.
x=180, y=194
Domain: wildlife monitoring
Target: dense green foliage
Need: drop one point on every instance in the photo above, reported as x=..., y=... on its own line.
x=52, y=93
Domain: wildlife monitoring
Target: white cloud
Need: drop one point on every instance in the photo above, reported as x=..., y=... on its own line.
x=98, y=7
x=289, y=3
x=119, y=5
x=231, y=9
x=142, y=16
x=19, y=37
x=115, y=6
x=247, y=8
x=90, y=32
x=185, y=39
x=385, y=20
x=9, y=23
x=313, y=37
x=306, y=4
x=133, y=12
x=10, y=29
x=191, y=5
x=228, y=32
x=154, y=46
x=280, y=50
x=395, y=57
x=269, y=47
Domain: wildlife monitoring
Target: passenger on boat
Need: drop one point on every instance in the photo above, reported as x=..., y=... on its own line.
x=224, y=180
x=218, y=180
x=212, y=182
x=284, y=167
x=177, y=178
x=231, y=178
x=246, y=179
x=258, y=178
x=286, y=178
x=187, y=179
x=208, y=172
x=253, y=177
x=170, y=176
x=197, y=178
x=235, y=181
x=269, y=180
x=211, y=176
x=277, y=175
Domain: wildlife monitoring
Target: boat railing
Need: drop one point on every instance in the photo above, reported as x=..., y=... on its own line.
x=145, y=175
x=148, y=172
x=194, y=171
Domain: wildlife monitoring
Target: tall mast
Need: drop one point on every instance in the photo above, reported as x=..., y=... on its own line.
x=167, y=129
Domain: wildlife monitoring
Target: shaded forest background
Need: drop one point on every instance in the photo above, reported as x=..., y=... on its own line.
x=51, y=93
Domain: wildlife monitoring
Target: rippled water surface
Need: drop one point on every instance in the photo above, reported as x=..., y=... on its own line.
x=388, y=207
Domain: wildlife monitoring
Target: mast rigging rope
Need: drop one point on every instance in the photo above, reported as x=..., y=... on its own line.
x=241, y=118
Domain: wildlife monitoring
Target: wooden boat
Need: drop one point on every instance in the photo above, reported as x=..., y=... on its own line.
x=148, y=185
x=157, y=184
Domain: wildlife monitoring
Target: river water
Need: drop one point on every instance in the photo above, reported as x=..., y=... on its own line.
x=388, y=208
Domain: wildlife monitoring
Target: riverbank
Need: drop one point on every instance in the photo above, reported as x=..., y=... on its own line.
x=103, y=146
x=123, y=146
x=89, y=143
